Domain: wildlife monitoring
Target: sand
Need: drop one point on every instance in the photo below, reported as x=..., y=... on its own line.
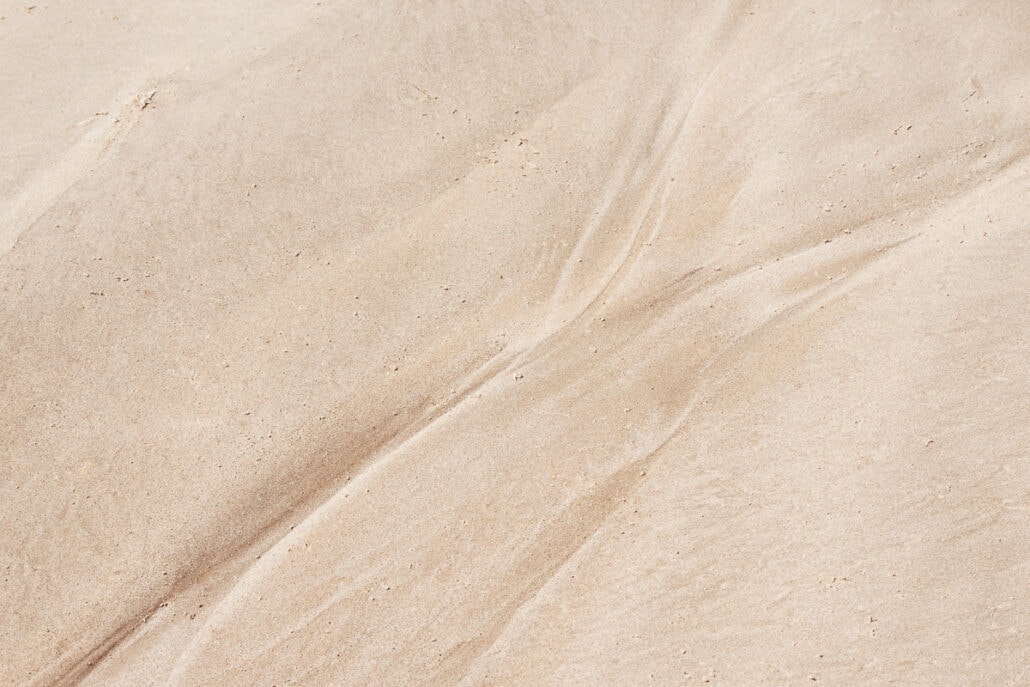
x=471, y=343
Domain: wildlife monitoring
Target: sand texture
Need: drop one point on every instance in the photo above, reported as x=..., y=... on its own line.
x=514, y=343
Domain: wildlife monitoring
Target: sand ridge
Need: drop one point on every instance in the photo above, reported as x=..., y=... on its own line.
x=514, y=344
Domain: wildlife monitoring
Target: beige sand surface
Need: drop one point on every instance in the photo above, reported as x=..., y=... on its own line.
x=514, y=343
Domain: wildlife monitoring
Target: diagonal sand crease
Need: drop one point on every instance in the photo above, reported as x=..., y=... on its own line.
x=547, y=461
x=94, y=146
x=79, y=668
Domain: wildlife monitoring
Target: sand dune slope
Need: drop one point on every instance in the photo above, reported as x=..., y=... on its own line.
x=475, y=343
